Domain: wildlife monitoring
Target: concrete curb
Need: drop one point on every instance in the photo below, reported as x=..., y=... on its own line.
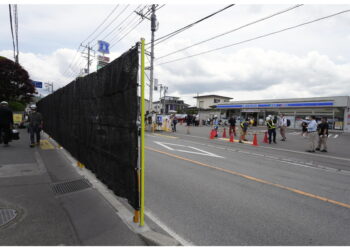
x=156, y=239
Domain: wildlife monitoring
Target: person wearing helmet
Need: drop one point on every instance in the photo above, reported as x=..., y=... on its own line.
x=35, y=125
x=6, y=123
x=271, y=129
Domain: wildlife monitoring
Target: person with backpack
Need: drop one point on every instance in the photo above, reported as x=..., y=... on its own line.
x=271, y=129
x=6, y=123
x=232, y=122
x=283, y=125
x=303, y=129
x=322, y=135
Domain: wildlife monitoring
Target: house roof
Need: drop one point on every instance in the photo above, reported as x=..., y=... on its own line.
x=220, y=96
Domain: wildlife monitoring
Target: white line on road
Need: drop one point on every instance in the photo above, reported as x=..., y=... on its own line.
x=167, y=229
x=197, y=150
x=336, y=136
x=286, y=150
x=303, y=164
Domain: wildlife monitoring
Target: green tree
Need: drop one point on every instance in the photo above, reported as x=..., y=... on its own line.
x=15, y=84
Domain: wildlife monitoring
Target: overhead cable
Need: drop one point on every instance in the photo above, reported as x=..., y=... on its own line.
x=255, y=38
x=230, y=31
x=110, y=23
x=101, y=23
x=119, y=24
x=129, y=24
x=165, y=37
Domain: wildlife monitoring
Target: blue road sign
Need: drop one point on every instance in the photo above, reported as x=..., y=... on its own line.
x=37, y=84
x=103, y=47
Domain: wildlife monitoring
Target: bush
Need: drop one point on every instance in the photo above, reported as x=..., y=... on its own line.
x=17, y=106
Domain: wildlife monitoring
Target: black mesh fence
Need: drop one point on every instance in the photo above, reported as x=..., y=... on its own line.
x=94, y=118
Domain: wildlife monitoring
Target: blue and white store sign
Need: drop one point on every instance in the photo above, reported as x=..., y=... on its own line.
x=103, y=47
x=278, y=105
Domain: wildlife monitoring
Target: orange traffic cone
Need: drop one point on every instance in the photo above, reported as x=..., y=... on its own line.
x=232, y=139
x=212, y=134
x=265, y=138
x=224, y=134
x=255, y=141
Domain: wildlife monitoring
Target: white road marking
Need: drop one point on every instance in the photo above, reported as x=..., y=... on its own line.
x=330, y=135
x=167, y=229
x=197, y=150
x=336, y=136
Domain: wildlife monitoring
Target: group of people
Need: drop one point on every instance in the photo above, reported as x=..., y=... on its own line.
x=34, y=120
x=317, y=133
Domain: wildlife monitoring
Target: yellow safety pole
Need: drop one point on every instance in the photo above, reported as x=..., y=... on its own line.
x=142, y=148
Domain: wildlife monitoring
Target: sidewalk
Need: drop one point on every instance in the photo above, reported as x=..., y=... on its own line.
x=45, y=201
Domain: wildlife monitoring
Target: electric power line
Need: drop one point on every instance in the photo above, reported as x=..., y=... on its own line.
x=231, y=31
x=255, y=38
x=101, y=23
x=166, y=37
x=119, y=24
x=108, y=25
x=127, y=25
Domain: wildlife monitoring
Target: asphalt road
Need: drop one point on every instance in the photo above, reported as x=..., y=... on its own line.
x=212, y=192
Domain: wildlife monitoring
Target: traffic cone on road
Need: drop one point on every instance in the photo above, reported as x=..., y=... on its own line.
x=255, y=141
x=212, y=134
x=265, y=138
x=232, y=139
x=224, y=133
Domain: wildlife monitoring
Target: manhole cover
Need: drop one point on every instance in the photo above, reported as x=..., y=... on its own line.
x=70, y=186
x=7, y=215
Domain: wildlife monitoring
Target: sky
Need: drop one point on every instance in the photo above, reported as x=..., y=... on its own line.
x=309, y=61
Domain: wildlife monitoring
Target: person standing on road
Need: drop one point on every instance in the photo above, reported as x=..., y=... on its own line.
x=271, y=129
x=6, y=123
x=243, y=130
x=174, y=122
x=232, y=122
x=322, y=135
x=35, y=120
x=312, y=130
x=304, y=129
x=283, y=125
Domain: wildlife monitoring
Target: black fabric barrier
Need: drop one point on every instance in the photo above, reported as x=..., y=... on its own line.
x=94, y=118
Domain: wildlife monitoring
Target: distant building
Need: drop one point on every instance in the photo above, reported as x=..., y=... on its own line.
x=205, y=101
x=170, y=103
x=335, y=108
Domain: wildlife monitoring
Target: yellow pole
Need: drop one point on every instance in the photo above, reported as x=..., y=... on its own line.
x=142, y=148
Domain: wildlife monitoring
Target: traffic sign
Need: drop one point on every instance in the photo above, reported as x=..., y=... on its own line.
x=37, y=84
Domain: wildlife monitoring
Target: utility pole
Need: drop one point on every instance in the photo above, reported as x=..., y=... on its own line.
x=87, y=56
x=165, y=90
x=154, y=27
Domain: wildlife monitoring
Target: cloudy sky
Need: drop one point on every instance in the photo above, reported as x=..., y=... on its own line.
x=309, y=61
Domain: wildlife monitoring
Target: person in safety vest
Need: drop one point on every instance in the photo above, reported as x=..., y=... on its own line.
x=243, y=130
x=271, y=129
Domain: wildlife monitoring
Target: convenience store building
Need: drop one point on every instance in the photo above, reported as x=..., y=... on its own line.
x=336, y=109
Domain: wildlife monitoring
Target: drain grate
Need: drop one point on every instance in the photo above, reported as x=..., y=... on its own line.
x=7, y=215
x=70, y=186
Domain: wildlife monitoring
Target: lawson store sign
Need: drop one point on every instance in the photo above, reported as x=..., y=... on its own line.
x=278, y=105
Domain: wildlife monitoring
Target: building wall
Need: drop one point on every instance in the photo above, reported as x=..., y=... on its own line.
x=206, y=102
